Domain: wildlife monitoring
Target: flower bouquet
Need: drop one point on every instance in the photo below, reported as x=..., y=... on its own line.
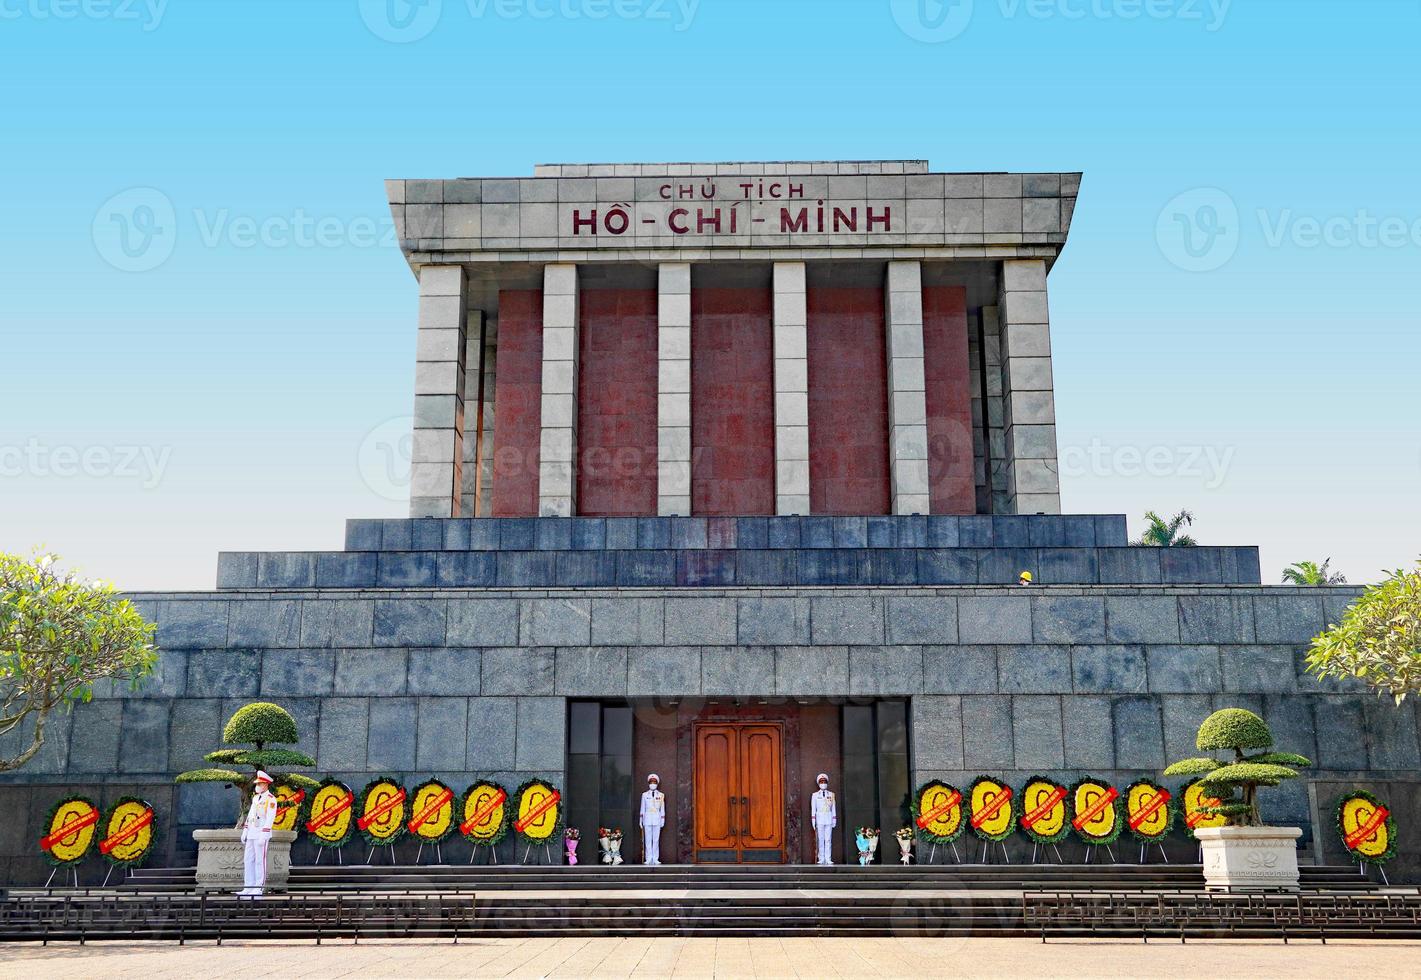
x=905, y=843
x=611, y=840
x=867, y=838
x=570, y=838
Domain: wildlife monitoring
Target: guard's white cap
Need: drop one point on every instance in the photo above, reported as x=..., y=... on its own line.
x=262, y=777
x=822, y=776
x=652, y=776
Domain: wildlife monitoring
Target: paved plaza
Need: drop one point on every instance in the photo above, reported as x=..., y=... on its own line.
x=770, y=957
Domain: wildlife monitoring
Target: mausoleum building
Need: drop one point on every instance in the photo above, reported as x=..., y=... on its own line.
x=728, y=471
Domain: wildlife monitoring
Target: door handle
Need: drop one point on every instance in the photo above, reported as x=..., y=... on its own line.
x=734, y=828
x=745, y=815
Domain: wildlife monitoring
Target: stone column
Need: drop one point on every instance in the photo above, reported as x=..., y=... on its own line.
x=483, y=507
x=791, y=390
x=437, y=451
x=475, y=445
x=995, y=449
x=907, y=398
x=1033, y=484
x=673, y=394
x=557, y=447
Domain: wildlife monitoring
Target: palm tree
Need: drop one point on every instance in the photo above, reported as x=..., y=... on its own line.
x=1311, y=573
x=1161, y=533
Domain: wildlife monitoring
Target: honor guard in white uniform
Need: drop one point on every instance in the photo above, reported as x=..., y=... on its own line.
x=824, y=816
x=653, y=818
x=256, y=835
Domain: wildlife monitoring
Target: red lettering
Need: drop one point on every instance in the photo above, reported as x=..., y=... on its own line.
x=620, y=214
x=707, y=191
x=849, y=222
x=800, y=223
x=671, y=220
x=796, y=190
x=684, y=191
x=775, y=189
x=883, y=219
x=579, y=222
x=666, y=192
x=747, y=188
x=702, y=221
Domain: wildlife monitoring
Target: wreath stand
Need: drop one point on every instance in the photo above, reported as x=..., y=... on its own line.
x=1144, y=847
x=340, y=855
x=932, y=853
x=74, y=874
x=547, y=853
x=369, y=857
x=1002, y=844
x=1090, y=852
x=1035, y=847
x=438, y=853
x=492, y=853
x=1362, y=869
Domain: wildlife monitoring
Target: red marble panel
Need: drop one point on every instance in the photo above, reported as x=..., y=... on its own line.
x=732, y=402
x=517, y=403
x=848, y=401
x=616, y=403
x=947, y=372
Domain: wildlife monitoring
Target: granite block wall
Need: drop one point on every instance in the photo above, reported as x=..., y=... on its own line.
x=464, y=683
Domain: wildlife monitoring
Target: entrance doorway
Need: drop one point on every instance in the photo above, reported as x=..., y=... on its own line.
x=739, y=798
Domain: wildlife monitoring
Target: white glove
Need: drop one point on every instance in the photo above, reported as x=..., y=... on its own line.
x=244, y=835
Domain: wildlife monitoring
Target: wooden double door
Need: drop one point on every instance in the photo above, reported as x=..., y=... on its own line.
x=739, y=799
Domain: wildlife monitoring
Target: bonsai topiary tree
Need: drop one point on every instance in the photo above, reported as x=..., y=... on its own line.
x=260, y=725
x=1235, y=782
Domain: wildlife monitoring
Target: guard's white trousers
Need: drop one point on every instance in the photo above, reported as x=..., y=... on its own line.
x=826, y=842
x=651, y=837
x=254, y=860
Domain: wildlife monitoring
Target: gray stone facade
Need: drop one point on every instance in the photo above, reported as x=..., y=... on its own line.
x=469, y=683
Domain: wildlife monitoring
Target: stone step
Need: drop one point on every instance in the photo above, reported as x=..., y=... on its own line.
x=732, y=567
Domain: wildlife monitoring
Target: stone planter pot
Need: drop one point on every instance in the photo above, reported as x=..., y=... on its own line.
x=1250, y=858
x=219, y=860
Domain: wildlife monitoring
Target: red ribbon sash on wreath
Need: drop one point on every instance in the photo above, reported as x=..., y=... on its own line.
x=483, y=811
x=431, y=810
x=1057, y=795
x=1148, y=810
x=72, y=827
x=330, y=813
x=546, y=804
x=291, y=801
x=1093, y=811
x=1194, y=818
x=127, y=832
x=384, y=807
x=990, y=810
x=1372, y=825
x=943, y=807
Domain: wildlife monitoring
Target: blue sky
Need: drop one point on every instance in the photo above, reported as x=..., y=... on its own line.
x=1235, y=319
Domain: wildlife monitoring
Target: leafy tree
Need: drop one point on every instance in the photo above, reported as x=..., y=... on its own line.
x=1161, y=533
x=259, y=724
x=1311, y=573
x=1235, y=783
x=58, y=636
x=1378, y=640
